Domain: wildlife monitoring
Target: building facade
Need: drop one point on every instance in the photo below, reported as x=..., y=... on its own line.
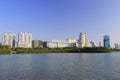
x=57, y=44
x=37, y=44
x=24, y=40
x=100, y=44
x=83, y=40
x=92, y=44
x=71, y=40
x=106, y=40
x=117, y=46
x=9, y=39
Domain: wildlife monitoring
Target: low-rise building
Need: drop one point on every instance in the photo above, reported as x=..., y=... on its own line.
x=58, y=44
x=37, y=44
x=92, y=44
x=71, y=40
x=117, y=46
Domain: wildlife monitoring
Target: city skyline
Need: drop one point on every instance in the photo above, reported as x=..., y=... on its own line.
x=53, y=19
x=24, y=39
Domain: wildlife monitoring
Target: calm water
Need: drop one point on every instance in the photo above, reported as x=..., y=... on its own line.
x=71, y=66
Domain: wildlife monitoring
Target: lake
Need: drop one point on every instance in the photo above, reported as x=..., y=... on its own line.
x=62, y=66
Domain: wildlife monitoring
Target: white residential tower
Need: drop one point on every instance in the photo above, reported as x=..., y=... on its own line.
x=83, y=40
x=24, y=40
x=9, y=39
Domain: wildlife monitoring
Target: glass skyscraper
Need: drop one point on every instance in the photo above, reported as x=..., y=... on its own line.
x=106, y=41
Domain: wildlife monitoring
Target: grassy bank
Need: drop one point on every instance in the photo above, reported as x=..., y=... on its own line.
x=4, y=50
x=116, y=50
x=96, y=50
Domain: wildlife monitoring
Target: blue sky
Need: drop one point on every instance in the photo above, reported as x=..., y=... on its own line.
x=60, y=19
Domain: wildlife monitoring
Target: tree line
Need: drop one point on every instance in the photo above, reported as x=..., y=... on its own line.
x=7, y=49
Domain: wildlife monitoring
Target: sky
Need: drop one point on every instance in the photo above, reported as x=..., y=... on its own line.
x=61, y=19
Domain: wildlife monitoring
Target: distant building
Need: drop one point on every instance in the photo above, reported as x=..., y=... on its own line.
x=71, y=40
x=9, y=39
x=24, y=40
x=83, y=40
x=37, y=44
x=100, y=44
x=57, y=44
x=117, y=46
x=92, y=44
x=106, y=41
x=75, y=44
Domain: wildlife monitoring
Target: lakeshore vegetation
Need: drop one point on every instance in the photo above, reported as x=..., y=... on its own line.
x=6, y=49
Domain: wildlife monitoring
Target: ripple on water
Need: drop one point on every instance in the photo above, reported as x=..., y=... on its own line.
x=60, y=67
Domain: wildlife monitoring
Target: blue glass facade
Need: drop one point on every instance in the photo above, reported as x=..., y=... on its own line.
x=106, y=41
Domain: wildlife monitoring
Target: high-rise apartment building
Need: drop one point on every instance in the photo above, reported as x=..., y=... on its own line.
x=106, y=40
x=9, y=39
x=24, y=40
x=83, y=40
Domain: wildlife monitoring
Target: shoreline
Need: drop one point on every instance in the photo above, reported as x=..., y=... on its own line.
x=54, y=50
